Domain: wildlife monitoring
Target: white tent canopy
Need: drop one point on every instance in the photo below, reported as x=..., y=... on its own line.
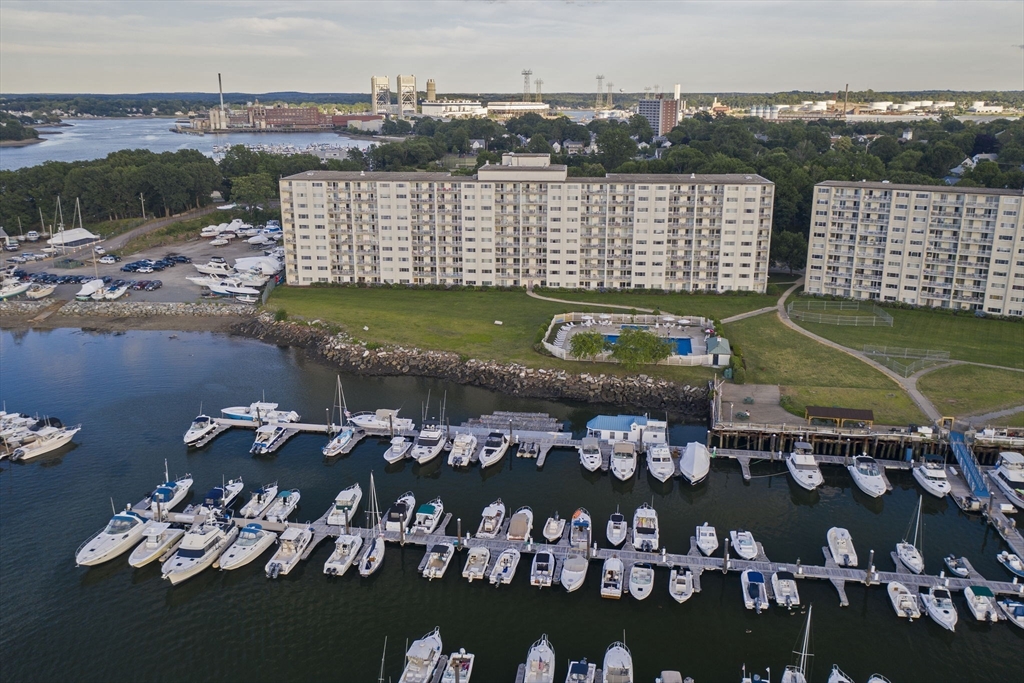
x=72, y=238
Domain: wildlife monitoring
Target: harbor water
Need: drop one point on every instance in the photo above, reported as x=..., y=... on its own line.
x=135, y=394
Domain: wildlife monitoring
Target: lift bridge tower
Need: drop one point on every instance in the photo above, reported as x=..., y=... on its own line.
x=599, y=104
x=526, y=84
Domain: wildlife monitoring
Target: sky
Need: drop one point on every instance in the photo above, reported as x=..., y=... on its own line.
x=104, y=46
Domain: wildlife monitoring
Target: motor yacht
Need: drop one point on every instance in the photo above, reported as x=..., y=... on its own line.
x=957, y=566
x=840, y=545
x=803, y=467
x=505, y=567
x=624, y=460
x=224, y=495
x=373, y=558
x=540, y=662
x=463, y=448
x=346, y=548
x=476, y=564
x=1009, y=477
x=494, y=448
x=612, y=578
x=168, y=495
x=1014, y=611
x=283, y=505
x=659, y=462
x=574, y=572
x=641, y=580
x=755, y=593
x=422, y=659
x=554, y=528
x=268, y=439
x=909, y=553
x=398, y=450
x=428, y=444
x=215, y=267
x=680, y=584
x=48, y=440
x=201, y=426
x=260, y=411
x=339, y=442
x=707, y=539
x=259, y=501
x=618, y=664
x=542, y=570
x=784, y=587
x=438, y=558
x=867, y=475
x=459, y=668
x=492, y=518
x=158, y=538
x=931, y=475
x=645, y=529
x=590, y=454
x=982, y=603
x=252, y=541
x=903, y=600
x=695, y=462
x=428, y=516
x=345, y=505
x=201, y=546
x=39, y=291
x=580, y=529
x=581, y=671
x=617, y=529
x=383, y=420
x=398, y=517
x=939, y=605
x=520, y=525
x=121, y=533
x=1011, y=562
x=743, y=543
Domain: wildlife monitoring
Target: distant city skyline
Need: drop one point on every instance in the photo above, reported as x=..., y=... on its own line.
x=109, y=46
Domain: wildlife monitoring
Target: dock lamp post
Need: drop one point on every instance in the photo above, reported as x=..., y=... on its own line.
x=730, y=412
x=773, y=443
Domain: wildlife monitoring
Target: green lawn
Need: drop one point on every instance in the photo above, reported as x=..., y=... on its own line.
x=679, y=303
x=108, y=229
x=968, y=389
x=1015, y=420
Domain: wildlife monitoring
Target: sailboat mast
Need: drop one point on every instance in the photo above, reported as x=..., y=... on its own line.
x=380, y=678
x=807, y=638
x=917, y=521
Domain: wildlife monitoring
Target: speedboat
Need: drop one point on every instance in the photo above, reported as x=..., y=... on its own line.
x=520, y=525
x=115, y=292
x=48, y=439
x=957, y=566
x=840, y=544
x=1011, y=562
x=438, y=558
x=982, y=603
x=12, y=288
x=158, y=538
x=554, y=528
x=908, y=553
x=618, y=664
x=680, y=584
x=1014, y=611
x=743, y=543
x=223, y=496
x=459, y=667
x=122, y=532
x=345, y=505
x=399, y=515
x=398, y=450
x=612, y=578
x=428, y=516
x=785, y=590
x=804, y=467
x=463, y=448
x=542, y=570
x=200, y=547
x=581, y=672
x=283, y=505
x=382, y=420
x=1009, y=477
x=505, y=567
x=340, y=441
x=755, y=593
x=540, y=662
x=422, y=659
x=707, y=539
x=641, y=580
x=494, y=448
x=931, y=475
x=837, y=675
x=268, y=439
x=903, y=600
x=346, y=547
x=216, y=266
x=580, y=529
x=695, y=462
x=659, y=462
x=617, y=529
x=574, y=572
x=373, y=558
x=429, y=444
x=867, y=475
x=493, y=517
x=476, y=563
x=168, y=495
x=645, y=529
x=939, y=604
x=200, y=427
x=624, y=460
x=261, y=411
x=590, y=454
x=260, y=500
x=40, y=291
x=252, y=540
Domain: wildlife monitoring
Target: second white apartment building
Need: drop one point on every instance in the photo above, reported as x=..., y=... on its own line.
x=926, y=245
x=525, y=223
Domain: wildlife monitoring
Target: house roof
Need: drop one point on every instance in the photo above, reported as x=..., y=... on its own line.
x=719, y=345
x=616, y=423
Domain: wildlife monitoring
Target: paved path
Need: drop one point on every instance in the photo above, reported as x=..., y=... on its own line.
x=530, y=292
x=995, y=415
x=748, y=314
x=120, y=240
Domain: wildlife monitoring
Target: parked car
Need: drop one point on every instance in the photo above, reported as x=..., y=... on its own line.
x=154, y=285
x=17, y=259
x=11, y=246
x=99, y=250
x=108, y=260
x=144, y=269
x=140, y=284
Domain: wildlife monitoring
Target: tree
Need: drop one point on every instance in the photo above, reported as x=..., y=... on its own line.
x=639, y=347
x=616, y=146
x=538, y=144
x=257, y=188
x=885, y=148
x=789, y=249
x=640, y=128
x=587, y=345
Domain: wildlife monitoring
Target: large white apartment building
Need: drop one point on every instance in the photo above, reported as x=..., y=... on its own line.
x=525, y=223
x=920, y=244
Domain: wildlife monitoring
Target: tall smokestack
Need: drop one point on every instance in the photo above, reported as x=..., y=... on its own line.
x=220, y=87
x=677, y=92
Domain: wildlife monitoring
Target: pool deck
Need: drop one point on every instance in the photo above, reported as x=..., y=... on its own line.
x=673, y=332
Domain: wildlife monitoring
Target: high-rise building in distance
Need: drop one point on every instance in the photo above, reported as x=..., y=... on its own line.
x=661, y=113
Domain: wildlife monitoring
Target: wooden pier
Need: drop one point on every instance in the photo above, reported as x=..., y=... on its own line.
x=747, y=458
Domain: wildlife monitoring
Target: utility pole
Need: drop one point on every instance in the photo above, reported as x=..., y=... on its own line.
x=599, y=104
x=143, y=200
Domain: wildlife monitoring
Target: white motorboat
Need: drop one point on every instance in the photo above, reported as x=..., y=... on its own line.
x=88, y=289
x=494, y=448
x=641, y=580
x=476, y=564
x=957, y=566
x=260, y=500
x=48, y=440
x=659, y=462
x=221, y=497
x=581, y=671
x=680, y=584
x=505, y=567
x=590, y=454
x=346, y=548
x=542, y=570
x=422, y=659
x=707, y=539
x=939, y=605
x=268, y=439
x=743, y=543
x=428, y=444
x=797, y=673
x=383, y=420
x=216, y=266
x=260, y=411
x=492, y=519
x=399, y=515
x=398, y=450
x=1011, y=562
x=284, y=504
x=645, y=529
x=909, y=553
x=931, y=475
x=459, y=668
x=574, y=572
x=291, y=544
x=122, y=532
x=580, y=529
x=612, y=578
x=982, y=603
x=345, y=505
x=200, y=427
x=624, y=460
x=618, y=664
x=438, y=558
x=840, y=545
x=428, y=516
x=554, y=528
x=157, y=538
x=755, y=592
x=617, y=529
x=463, y=448
x=252, y=541
x=520, y=525
x=784, y=587
x=373, y=558
x=1014, y=611
x=168, y=495
x=837, y=676
x=695, y=462
x=200, y=547
x=868, y=476
x=903, y=600
x=803, y=467
x=339, y=442
x=39, y=291
x=1009, y=477
x=540, y=662
x=114, y=292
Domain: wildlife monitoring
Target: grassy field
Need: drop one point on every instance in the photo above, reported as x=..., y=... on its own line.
x=968, y=389
x=706, y=305
x=1015, y=420
x=179, y=232
x=108, y=229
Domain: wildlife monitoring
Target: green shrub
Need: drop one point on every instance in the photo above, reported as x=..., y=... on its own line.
x=281, y=315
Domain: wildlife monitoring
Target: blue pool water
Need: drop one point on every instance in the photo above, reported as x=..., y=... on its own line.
x=683, y=347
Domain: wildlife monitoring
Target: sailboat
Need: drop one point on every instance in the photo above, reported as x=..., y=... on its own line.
x=797, y=673
x=910, y=553
x=373, y=558
x=343, y=437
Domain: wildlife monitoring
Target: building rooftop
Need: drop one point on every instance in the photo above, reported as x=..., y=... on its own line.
x=617, y=423
x=687, y=179
x=951, y=189
x=681, y=179
x=386, y=176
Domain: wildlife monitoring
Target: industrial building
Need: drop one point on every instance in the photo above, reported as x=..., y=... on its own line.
x=925, y=245
x=452, y=109
x=510, y=110
x=525, y=223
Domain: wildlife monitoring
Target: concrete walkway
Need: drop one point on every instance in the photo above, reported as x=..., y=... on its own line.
x=530, y=292
x=748, y=314
x=989, y=417
x=149, y=226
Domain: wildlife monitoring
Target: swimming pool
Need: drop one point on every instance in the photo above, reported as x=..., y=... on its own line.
x=683, y=347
